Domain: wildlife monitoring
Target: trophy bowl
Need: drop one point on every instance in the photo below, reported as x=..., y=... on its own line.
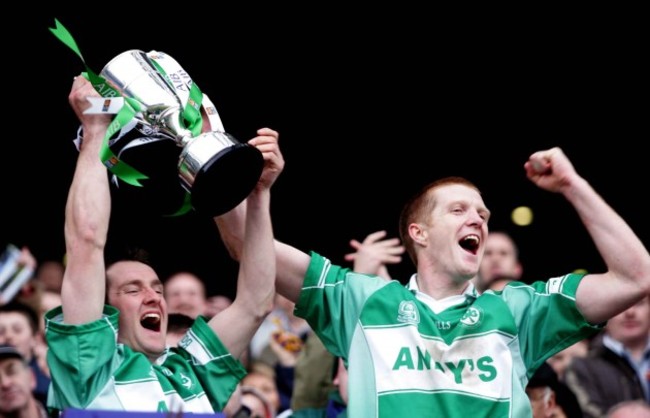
x=218, y=172
x=216, y=169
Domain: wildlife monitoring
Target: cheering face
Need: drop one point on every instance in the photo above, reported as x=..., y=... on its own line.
x=456, y=231
x=135, y=290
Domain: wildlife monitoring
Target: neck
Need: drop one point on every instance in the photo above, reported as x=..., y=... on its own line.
x=440, y=287
x=636, y=348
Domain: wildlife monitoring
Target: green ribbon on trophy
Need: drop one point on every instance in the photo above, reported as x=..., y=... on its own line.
x=192, y=109
x=131, y=107
x=121, y=169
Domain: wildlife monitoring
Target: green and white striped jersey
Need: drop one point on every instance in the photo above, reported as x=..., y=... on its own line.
x=473, y=358
x=91, y=370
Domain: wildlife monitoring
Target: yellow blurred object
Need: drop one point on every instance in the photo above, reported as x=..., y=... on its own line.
x=288, y=340
x=522, y=216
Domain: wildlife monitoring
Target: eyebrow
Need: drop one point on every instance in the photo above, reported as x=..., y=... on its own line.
x=140, y=282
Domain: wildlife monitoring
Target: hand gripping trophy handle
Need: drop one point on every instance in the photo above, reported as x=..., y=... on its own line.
x=217, y=170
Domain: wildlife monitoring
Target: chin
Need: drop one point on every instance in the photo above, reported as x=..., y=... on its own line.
x=154, y=349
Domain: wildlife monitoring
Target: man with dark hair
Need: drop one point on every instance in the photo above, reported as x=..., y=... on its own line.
x=114, y=356
x=19, y=327
x=549, y=397
x=17, y=383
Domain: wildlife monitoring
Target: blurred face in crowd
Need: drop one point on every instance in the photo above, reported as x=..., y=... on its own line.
x=500, y=260
x=560, y=361
x=50, y=273
x=135, y=290
x=266, y=385
x=185, y=293
x=216, y=304
x=16, y=330
x=255, y=404
x=341, y=380
x=17, y=382
x=632, y=325
x=542, y=401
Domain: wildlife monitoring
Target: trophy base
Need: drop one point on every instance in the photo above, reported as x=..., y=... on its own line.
x=226, y=179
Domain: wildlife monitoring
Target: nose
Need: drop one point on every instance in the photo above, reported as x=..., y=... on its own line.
x=475, y=218
x=152, y=296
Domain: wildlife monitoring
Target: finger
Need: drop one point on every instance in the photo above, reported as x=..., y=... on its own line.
x=392, y=259
x=375, y=236
x=269, y=132
x=391, y=242
x=355, y=244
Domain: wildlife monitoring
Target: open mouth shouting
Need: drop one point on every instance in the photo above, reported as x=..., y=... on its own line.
x=470, y=243
x=151, y=321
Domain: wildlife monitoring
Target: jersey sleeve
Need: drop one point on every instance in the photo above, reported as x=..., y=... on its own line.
x=547, y=317
x=80, y=357
x=217, y=370
x=332, y=299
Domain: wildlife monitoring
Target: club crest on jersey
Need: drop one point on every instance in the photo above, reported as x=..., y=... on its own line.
x=473, y=316
x=408, y=312
x=186, y=381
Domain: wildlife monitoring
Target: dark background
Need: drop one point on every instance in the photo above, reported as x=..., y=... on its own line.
x=370, y=106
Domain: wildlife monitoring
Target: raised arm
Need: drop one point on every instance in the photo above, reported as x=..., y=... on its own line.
x=237, y=324
x=87, y=216
x=627, y=280
x=291, y=263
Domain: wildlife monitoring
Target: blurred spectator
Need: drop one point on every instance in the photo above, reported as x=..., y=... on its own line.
x=337, y=398
x=560, y=361
x=185, y=293
x=550, y=398
x=277, y=344
x=280, y=319
x=19, y=328
x=500, y=263
x=215, y=304
x=262, y=378
x=616, y=368
x=254, y=404
x=50, y=274
x=17, y=384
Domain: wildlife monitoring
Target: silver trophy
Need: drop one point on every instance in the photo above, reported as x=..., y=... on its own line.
x=216, y=170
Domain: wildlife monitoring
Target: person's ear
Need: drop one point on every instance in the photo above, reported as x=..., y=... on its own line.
x=417, y=233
